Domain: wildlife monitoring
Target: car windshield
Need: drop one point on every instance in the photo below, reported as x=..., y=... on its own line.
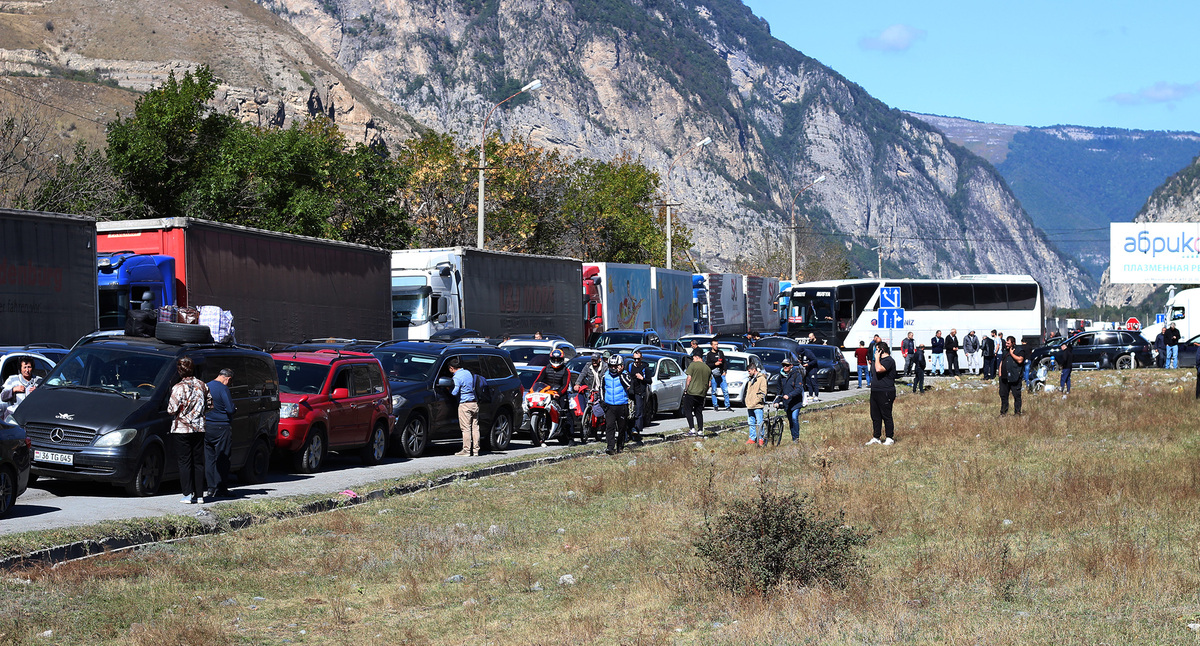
x=406, y=366
x=299, y=378
x=525, y=353
x=527, y=375
x=823, y=352
x=769, y=355
x=611, y=338
x=735, y=363
x=118, y=370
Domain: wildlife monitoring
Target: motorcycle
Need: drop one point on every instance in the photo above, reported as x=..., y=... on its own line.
x=544, y=416
x=592, y=415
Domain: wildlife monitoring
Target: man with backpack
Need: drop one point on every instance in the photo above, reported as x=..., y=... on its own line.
x=468, y=407
x=641, y=376
x=616, y=387
x=792, y=393
x=586, y=383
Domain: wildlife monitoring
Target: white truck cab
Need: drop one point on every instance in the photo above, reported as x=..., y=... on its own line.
x=1182, y=309
x=425, y=292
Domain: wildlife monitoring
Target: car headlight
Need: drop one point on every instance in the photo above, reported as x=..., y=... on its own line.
x=735, y=384
x=119, y=437
x=289, y=410
x=398, y=401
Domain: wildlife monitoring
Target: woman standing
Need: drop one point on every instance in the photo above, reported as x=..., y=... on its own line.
x=883, y=393
x=189, y=402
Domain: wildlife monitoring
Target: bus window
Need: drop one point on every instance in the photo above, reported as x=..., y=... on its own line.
x=957, y=296
x=991, y=297
x=1022, y=297
x=925, y=297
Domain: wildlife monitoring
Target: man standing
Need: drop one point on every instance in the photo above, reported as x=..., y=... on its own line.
x=715, y=360
x=952, y=353
x=792, y=392
x=698, y=376
x=809, y=358
x=989, y=356
x=641, y=376
x=918, y=382
x=557, y=376
x=756, y=398
x=17, y=387
x=883, y=394
x=1171, y=338
x=937, y=347
x=468, y=408
x=1065, y=359
x=1011, y=370
x=218, y=435
x=907, y=348
x=1160, y=349
x=615, y=388
x=860, y=357
x=971, y=348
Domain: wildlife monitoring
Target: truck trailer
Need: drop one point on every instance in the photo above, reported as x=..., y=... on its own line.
x=47, y=277
x=493, y=292
x=619, y=297
x=719, y=303
x=762, y=302
x=280, y=288
x=672, y=296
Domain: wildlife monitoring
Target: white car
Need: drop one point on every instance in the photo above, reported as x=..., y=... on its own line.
x=526, y=352
x=736, y=375
x=43, y=358
x=666, y=391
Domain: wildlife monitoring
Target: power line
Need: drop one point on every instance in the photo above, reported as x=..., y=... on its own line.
x=51, y=106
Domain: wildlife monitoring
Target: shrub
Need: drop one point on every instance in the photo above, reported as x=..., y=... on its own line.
x=755, y=545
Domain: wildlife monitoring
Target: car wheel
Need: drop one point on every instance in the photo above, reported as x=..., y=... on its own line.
x=148, y=476
x=183, y=333
x=309, y=458
x=1044, y=363
x=257, y=464
x=414, y=438
x=8, y=489
x=374, y=451
x=500, y=435
x=1125, y=362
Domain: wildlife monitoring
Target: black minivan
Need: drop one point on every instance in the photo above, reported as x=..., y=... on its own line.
x=101, y=413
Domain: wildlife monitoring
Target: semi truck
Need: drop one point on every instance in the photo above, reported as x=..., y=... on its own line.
x=47, y=277
x=672, y=294
x=492, y=292
x=762, y=302
x=719, y=303
x=619, y=297
x=279, y=287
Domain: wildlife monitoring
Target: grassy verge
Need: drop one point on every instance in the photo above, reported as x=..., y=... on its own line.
x=1076, y=523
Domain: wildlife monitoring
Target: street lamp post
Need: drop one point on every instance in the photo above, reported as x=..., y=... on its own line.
x=794, y=199
x=533, y=85
x=670, y=167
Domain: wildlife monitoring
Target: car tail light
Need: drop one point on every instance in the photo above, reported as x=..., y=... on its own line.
x=28, y=442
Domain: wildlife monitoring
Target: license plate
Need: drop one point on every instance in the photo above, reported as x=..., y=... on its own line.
x=50, y=456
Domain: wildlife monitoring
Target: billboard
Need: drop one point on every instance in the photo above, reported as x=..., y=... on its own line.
x=1154, y=252
x=672, y=303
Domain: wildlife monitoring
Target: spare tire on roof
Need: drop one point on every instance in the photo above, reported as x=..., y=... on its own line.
x=183, y=333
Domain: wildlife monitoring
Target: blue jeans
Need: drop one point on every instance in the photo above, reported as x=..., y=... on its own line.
x=719, y=381
x=939, y=363
x=1172, y=356
x=794, y=418
x=754, y=417
x=863, y=375
x=1064, y=381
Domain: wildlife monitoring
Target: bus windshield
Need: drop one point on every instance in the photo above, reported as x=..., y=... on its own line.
x=811, y=312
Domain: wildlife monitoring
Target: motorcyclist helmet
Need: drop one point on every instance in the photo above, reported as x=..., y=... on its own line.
x=557, y=358
x=614, y=362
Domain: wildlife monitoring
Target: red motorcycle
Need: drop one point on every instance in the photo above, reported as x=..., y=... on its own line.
x=591, y=415
x=544, y=416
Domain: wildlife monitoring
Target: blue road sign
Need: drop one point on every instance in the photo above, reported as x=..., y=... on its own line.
x=1160, y=318
x=889, y=297
x=890, y=318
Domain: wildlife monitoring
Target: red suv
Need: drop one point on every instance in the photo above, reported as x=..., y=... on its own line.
x=331, y=400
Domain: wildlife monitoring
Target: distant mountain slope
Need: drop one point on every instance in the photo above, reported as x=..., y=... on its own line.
x=650, y=77
x=1073, y=180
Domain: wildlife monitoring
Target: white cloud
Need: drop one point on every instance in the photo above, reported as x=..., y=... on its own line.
x=1161, y=92
x=897, y=38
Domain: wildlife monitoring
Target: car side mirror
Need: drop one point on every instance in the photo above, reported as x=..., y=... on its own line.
x=445, y=382
x=340, y=393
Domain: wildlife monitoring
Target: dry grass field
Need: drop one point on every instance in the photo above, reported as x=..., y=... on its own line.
x=1074, y=524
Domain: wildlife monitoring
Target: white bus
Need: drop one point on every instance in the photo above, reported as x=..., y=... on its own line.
x=843, y=312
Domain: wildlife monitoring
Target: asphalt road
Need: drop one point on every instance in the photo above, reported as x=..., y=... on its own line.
x=52, y=504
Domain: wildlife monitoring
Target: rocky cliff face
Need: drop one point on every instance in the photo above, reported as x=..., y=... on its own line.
x=1177, y=200
x=652, y=77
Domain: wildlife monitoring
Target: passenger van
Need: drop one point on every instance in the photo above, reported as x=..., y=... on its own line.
x=101, y=414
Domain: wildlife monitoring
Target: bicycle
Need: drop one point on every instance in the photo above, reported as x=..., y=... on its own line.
x=773, y=424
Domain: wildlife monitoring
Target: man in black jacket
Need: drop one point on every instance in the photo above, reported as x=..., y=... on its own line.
x=1012, y=369
x=715, y=360
x=1065, y=359
x=641, y=375
x=791, y=391
x=1171, y=338
x=557, y=376
x=989, y=356
x=952, y=353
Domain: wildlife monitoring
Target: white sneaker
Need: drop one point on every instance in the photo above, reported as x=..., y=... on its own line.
x=874, y=440
x=889, y=442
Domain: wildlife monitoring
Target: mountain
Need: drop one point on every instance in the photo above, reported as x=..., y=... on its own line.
x=653, y=76
x=1177, y=200
x=1074, y=180
x=648, y=78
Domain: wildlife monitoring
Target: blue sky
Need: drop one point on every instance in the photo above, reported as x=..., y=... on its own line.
x=1098, y=63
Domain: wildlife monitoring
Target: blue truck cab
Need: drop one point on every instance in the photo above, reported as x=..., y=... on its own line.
x=700, y=304
x=126, y=279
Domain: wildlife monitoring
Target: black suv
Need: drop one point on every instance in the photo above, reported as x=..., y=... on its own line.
x=1118, y=349
x=421, y=402
x=612, y=337
x=101, y=413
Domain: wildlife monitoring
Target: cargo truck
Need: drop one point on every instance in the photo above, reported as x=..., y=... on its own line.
x=279, y=287
x=762, y=303
x=720, y=303
x=47, y=277
x=672, y=295
x=493, y=292
x=619, y=297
